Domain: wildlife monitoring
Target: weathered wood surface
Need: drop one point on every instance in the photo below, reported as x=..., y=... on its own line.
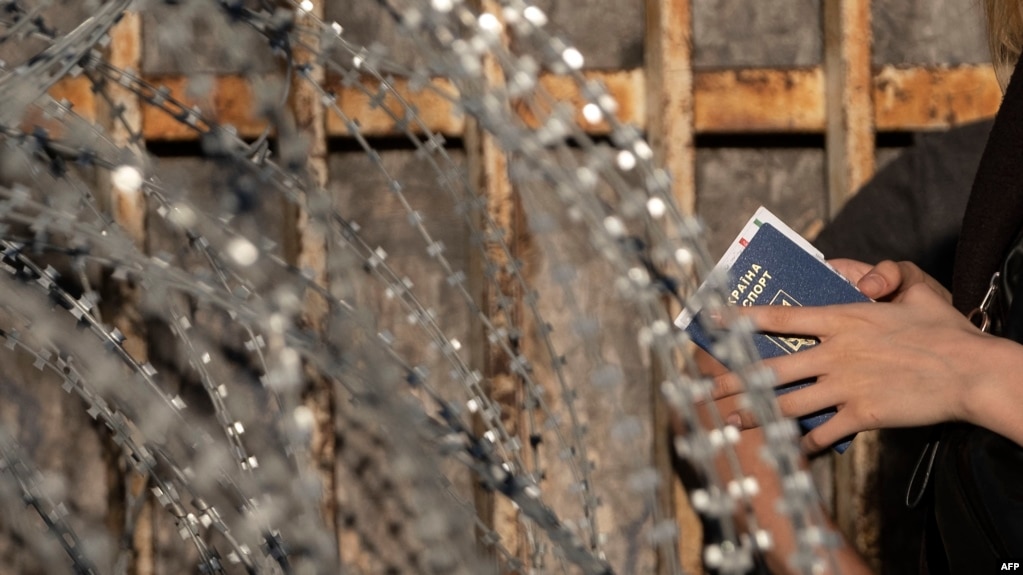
x=627, y=87
x=589, y=328
x=500, y=299
x=232, y=100
x=367, y=23
x=850, y=160
x=762, y=100
x=734, y=182
x=360, y=189
x=738, y=33
x=434, y=108
x=37, y=413
x=152, y=531
x=850, y=104
x=918, y=99
x=609, y=33
x=362, y=194
x=928, y=32
x=670, y=119
x=738, y=101
x=61, y=17
x=217, y=191
x=191, y=38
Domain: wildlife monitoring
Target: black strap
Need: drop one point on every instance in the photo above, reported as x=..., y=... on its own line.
x=994, y=213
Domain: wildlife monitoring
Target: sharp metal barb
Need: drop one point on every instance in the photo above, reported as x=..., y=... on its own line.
x=234, y=330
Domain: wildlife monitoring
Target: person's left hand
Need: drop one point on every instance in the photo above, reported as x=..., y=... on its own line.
x=769, y=516
x=898, y=364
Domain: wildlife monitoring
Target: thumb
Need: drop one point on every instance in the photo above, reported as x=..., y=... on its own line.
x=873, y=285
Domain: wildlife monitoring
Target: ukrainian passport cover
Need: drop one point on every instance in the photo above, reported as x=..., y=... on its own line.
x=773, y=270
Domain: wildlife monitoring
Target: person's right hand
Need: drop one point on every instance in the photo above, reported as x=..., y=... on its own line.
x=888, y=280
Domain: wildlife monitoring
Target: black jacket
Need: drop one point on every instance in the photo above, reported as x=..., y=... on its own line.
x=977, y=522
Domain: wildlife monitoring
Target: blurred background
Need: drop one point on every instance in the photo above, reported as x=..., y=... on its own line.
x=790, y=104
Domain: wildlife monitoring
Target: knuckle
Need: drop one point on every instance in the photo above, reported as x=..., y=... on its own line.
x=785, y=405
x=918, y=290
x=865, y=416
x=781, y=316
x=721, y=386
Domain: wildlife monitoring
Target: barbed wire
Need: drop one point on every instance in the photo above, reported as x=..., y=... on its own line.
x=264, y=505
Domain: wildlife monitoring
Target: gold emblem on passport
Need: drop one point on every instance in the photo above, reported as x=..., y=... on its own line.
x=789, y=344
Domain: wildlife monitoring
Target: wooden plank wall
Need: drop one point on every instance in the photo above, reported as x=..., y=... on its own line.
x=845, y=99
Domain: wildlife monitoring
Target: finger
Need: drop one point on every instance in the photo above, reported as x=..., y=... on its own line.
x=732, y=382
x=801, y=366
x=706, y=364
x=889, y=277
x=839, y=427
x=812, y=398
x=813, y=321
x=808, y=399
x=851, y=270
x=781, y=370
x=741, y=419
x=912, y=275
x=925, y=294
x=883, y=279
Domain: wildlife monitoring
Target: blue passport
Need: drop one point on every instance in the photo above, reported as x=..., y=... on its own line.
x=774, y=270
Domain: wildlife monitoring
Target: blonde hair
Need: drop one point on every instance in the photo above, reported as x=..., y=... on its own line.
x=1005, y=36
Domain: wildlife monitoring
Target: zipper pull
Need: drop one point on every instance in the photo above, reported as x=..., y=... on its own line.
x=981, y=313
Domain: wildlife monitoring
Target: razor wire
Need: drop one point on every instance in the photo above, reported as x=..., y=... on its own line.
x=614, y=197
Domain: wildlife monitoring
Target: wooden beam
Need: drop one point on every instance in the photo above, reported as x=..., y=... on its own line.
x=934, y=98
x=305, y=246
x=793, y=100
x=749, y=100
x=128, y=208
x=435, y=106
x=850, y=160
x=78, y=92
x=230, y=100
x=669, y=94
x=760, y=100
x=628, y=87
x=850, y=108
x=670, y=119
x=488, y=169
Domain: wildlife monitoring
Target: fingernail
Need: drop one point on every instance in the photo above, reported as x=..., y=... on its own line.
x=734, y=420
x=871, y=284
x=804, y=446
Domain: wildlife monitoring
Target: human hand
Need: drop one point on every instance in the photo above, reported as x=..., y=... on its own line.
x=771, y=516
x=907, y=362
x=762, y=510
x=888, y=280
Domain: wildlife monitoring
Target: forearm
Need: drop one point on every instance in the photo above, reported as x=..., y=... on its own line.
x=839, y=561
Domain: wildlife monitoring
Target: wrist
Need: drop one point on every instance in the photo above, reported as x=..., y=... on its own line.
x=991, y=397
